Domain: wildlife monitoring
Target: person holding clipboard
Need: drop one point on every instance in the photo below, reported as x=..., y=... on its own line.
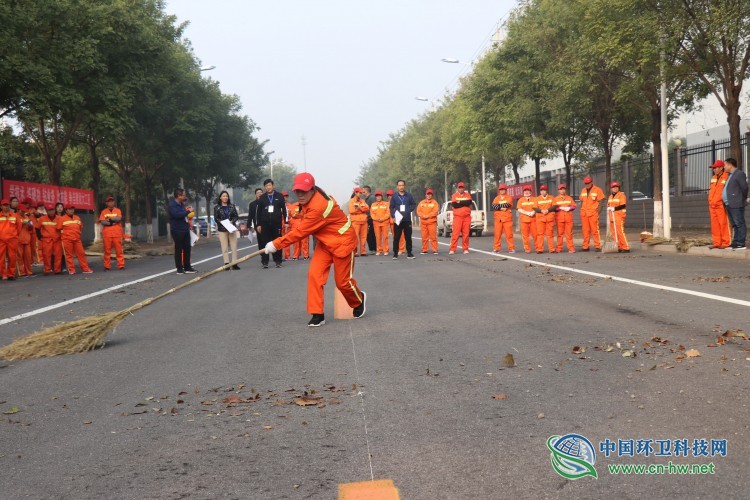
x=226, y=217
x=270, y=215
x=402, y=205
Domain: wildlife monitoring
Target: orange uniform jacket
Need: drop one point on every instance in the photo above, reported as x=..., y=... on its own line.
x=10, y=226
x=562, y=201
x=48, y=227
x=380, y=210
x=590, y=199
x=618, y=200
x=528, y=205
x=358, y=210
x=461, y=211
x=295, y=213
x=115, y=230
x=546, y=203
x=429, y=209
x=503, y=215
x=717, y=187
x=325, y=220
x=71, y=227
x=24, y=234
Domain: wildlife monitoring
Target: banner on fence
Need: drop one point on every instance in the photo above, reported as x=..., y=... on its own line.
x=82, y=199
x=516, y=191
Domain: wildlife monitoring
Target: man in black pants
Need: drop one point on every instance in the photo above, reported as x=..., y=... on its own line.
x=270, y=214
x=179, y=215
x=251, y=222
x=402, y=203
x=369, y=199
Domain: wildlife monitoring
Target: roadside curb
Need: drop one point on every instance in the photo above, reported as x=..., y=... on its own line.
x=701, y=251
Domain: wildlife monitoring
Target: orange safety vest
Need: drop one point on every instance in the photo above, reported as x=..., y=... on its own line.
x=48, y=227
x=717, y=188
x=564, y=201
x=461, y=211
x=546, y=203
x=503, y=215
x=615, y=200
x=428, y=208
x=358, y=209
x=71, y=227
x=380, y=210
x=528, y=204
x=115, y=230
x=10, y=226
x=24, y=234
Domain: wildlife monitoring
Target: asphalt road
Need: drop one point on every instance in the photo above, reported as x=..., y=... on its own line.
x=196, y=395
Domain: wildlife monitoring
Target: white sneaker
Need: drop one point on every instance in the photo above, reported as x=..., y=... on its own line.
x=466, y=251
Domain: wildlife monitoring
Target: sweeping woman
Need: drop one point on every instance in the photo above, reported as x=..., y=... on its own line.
x=331, y=228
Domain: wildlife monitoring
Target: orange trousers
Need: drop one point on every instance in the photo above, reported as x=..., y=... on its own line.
x=360, y=229
x=35, y=247
x=429, y=235
x=24, y=259
x=617, y=226
x=302, y=247
x=115, y=242
x=317, y=276
x=590, y=227
x=503, y=229
x=381, y=238
x=287, y=251
x=75, y=248
x=52, y=250
x=528, y=229
x=462, y=226
x=9, y=250
x=565, y=230
x=720, y=233
x=544, y=230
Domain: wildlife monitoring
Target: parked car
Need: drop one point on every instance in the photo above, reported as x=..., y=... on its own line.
x=445, y=220
x=637, y=196
x=202, y=221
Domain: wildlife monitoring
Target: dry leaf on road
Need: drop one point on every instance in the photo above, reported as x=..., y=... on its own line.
x=500, y=396
x=692, y=353
x=578, y=349
x=307, y=401
x=509, y=361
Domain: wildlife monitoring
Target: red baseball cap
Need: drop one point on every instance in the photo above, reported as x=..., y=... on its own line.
x=544, y=187
x=429, y=191
x=303, y=182
x=69, y=206
x=378, y=193
x=614, y=184
x=357, y=189
x=284, y=193
x=389, y=192
x=460, y=184
x=28, y=202
x=49, y=206
x=4, y=201
x=562, y=186
x=109, y=198
x=40, y=204
x=717, y=163
x=587, y=180
x=22, y=207
x=502, y=186
x=527, y=188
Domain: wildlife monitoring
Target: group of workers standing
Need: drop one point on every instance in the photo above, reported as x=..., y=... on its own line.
x=32, y=232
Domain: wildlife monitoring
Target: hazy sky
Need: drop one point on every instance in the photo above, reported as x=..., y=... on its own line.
x=342, y=73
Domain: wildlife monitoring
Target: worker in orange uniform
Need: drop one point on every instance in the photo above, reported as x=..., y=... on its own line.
x=335, y=245
x=502, y=207
x=427, y=211
x=52, y=253
x=302, y=247
x=40, y=212
x=526, y=207
x=402, y=240
x=24, y=241
x=461, y=203
x=591, y=196
x=110, y=218
x=33, y=244
x=10, y=227
x=71, y=227
x=616, y=211
x=545, y=220
x=720, y=233
x=381, y=222
x=358, y=209
x=564, y=218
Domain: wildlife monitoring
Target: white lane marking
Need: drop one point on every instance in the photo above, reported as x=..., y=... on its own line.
x=96, y=294
x=361, y=401
x=684, y=291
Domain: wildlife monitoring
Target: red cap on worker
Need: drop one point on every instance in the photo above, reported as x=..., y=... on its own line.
x=40, y=204
x=303, y=182
x=4, y=201
x=587, y=180
x=543, y=187
x=429, y=191
x=502, y=186
x=28, y=202
x=389, y=192
x=23, y=207
x=614, y=184
x=69, y=206
x=109, y=198
x=562, y=186
x=284, y=193
x=717, y=163
x=527, y=188
x=357, y=189
x=460, y=184
x=49, y=206
x=378, y=193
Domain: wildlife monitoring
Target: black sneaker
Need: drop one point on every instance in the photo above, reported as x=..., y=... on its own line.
x=395, y=257
x=317, y=320
x=278, y=265
x=190, y=270
x=738, y=247
x=236, y=267
x=265, y=266
x=410, y=256
x=180, y=271
x=359, y=311
x=226, y=268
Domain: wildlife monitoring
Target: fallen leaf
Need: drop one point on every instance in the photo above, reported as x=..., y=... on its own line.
x=720, y=340
x=174, y=410
x=232, y=399
x=86, y=422
x=207, y=403
x=628, y=354
x=578, y=349
x=711, y=345
x=679, y=357
x=735, y=333
x=180, y=401
x=334, y=401
x=680, y=347
x=13, y=410
x=609, y=348
x=197, y=391
x=321, y=405
x=500, y=396
x=181, y=393
x=509, y=361
x=268, y=427
x=646, y=344
x=692, y=353
x=307, y=401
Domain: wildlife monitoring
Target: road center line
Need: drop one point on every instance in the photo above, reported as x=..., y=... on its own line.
x=684, y=291
x=96, y=294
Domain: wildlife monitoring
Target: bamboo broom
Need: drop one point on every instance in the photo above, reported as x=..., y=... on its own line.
x=87, y=333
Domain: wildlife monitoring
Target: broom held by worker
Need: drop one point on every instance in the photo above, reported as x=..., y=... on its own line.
x=323, y=219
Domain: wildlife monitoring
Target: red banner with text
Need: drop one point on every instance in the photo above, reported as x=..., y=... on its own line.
x=82, y=199
x=516, y=191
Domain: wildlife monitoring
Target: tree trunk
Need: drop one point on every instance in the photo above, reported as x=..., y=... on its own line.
x=733, y=120
x=165, y=192
x=96, y=176
x=537, y=172
x=149, y=215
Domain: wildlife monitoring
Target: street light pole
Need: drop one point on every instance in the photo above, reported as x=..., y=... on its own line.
x=666, y=217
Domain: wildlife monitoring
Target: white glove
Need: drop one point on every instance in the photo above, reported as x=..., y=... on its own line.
x=610, y=209
x=270, y=248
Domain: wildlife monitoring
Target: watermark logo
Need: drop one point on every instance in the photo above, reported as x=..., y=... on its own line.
x=572, y=456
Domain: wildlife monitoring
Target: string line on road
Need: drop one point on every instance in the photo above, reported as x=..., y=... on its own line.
x=362, y=401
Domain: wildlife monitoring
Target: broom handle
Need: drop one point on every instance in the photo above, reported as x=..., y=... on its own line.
x=146, y=302
x=614, y=226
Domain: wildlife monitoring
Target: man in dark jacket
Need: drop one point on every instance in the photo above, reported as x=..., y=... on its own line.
x=179, y=215
x=735, y=201
x=251, y=222
x=270, y=214
x=402, y=203
x=369, y=199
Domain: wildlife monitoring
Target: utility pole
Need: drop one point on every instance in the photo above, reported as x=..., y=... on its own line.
x=484, y=197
